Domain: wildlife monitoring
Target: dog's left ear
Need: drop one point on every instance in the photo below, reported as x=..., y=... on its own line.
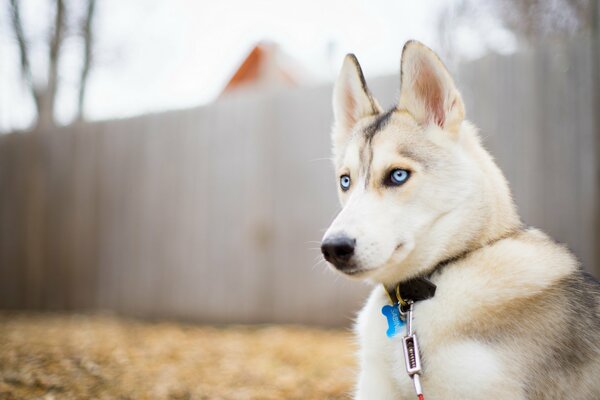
x=428, y=92
x=352, y=100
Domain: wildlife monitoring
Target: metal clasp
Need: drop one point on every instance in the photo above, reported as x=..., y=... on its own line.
x=411, y=345
x=412, y=357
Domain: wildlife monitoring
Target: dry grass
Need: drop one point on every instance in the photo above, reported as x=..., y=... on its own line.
x=102, y=357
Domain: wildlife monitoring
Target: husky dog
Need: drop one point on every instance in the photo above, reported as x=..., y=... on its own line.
x=513, y=315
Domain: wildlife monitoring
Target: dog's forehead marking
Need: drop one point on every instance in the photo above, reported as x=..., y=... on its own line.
x=366, y=157
x=359, y=154
x=378, y=124
x=366, y=152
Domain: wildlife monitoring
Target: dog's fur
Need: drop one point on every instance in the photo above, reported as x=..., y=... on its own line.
x=513, y=317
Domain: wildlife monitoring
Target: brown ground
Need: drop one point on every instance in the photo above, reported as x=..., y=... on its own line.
x=103, y=357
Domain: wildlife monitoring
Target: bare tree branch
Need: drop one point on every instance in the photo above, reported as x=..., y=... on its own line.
x=23, y=48
x=87, y=57
x=47, y=100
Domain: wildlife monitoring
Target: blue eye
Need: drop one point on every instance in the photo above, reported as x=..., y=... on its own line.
x=345, y=182
x=397, y=177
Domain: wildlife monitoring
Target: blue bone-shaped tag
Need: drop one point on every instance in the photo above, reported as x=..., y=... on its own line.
x=395, y=323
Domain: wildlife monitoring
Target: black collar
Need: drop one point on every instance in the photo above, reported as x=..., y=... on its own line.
x=415, y=289
x=418, y=288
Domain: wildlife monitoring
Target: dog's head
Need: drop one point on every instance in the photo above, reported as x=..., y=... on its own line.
x=414, y=181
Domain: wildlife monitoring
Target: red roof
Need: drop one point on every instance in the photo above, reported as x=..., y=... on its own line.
x=265, y=65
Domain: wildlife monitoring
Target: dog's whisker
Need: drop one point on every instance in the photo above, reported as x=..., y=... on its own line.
x=319, y=264
x=330, y=159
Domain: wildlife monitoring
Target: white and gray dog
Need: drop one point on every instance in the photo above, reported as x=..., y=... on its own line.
x=499, y=311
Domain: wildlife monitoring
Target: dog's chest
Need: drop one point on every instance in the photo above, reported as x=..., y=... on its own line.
x=460, y=364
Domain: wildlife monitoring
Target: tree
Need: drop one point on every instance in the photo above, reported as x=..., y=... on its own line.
x=44, y=95
x=87, y=56
x=536, y=19
x=529, y=22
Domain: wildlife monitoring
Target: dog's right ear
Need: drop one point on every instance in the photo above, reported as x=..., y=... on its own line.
x=428, y=91
x=351, y=98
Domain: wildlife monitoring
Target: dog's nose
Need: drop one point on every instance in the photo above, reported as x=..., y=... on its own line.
x=338, y=249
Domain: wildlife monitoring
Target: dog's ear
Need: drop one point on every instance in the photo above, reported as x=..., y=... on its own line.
x=351, y=98
x=428, y=92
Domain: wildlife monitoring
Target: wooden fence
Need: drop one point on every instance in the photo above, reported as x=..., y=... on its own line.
x=215, y=214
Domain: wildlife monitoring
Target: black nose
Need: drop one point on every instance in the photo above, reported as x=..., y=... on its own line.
x=338, y=249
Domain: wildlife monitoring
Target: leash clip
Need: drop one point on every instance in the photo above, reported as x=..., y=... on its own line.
x=410, y=345
x=412, y=357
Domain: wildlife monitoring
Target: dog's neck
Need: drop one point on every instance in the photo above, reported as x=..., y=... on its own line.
x=500, y=213
x=421, y=288
x=496, y=214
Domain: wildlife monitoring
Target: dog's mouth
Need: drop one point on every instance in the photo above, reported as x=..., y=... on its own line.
x=353, y=272
x=351, y=269
x=348, y=268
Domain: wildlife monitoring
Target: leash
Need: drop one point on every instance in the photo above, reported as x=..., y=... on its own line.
x=403, y=297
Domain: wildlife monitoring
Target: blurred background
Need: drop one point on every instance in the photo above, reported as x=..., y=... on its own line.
x=170, y=159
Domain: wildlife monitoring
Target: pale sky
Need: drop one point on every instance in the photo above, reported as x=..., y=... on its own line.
x=156, y=55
